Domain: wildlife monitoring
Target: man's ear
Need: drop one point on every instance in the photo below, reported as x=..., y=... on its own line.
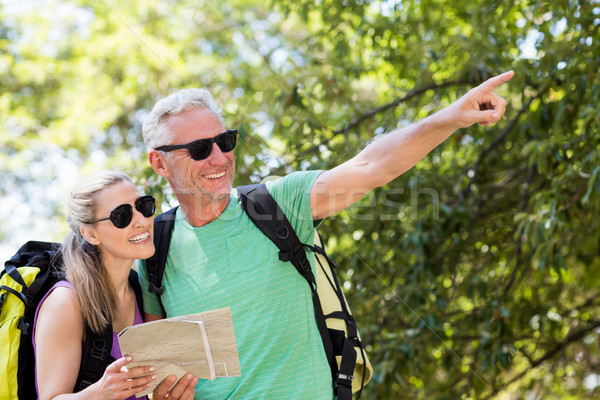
x=158, y=163
x=89, y=234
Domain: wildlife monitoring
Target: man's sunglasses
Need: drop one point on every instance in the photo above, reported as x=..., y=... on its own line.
x=122, y=215
x=201, y=149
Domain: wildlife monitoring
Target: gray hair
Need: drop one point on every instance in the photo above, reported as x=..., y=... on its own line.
x=155, y=131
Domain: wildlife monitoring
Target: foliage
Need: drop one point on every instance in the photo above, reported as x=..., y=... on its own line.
x=475, y=275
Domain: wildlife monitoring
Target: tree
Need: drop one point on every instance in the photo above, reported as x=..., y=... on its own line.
x=474, y=275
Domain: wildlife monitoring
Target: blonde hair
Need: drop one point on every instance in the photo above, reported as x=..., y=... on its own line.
x=83, y=264
x=155, y=131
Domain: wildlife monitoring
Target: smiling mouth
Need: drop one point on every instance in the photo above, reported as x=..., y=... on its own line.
x=140, y=238
x=215, y=176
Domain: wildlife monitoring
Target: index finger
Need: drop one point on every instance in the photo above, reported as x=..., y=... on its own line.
x=119, y=363
x=492, y=83
x=187, y=384
x=163, y=388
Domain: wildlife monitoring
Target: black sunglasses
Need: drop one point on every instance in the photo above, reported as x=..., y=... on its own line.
x=122, y=215
x=201, y=149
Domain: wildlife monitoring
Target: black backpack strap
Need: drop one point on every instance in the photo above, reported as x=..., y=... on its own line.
x=137, y=289
x=43, y=255
x=346, y=374
x=95, y=356
x=266, y=214
x=344, y=345
x=270, y=219
x=155, y=265
x=12, y=271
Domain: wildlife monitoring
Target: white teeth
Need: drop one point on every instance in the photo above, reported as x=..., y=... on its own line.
x=140, y=238
x=215, y=176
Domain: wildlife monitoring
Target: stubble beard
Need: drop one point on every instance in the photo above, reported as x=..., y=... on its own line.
x=206, y=195
x=202, y=201
x=209, y=196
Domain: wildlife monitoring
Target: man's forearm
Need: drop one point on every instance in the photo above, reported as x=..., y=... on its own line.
x=390, y=155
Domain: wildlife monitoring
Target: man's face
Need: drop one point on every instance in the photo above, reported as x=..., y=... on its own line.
x=211, y=179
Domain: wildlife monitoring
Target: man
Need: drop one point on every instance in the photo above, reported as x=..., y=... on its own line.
x=218, y=258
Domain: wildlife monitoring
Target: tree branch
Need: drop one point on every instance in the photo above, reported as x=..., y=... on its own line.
x=396, y=102
x=522, y=204
x=573, y=336
x=372, y=113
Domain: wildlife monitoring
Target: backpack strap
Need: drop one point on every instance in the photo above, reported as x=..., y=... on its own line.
x=96, y=356
x=137, y=289
x=12, y=271
x=155, y=265
x=33, y=253
x=347, y=343
x=42, y=255
x=28, y=294
x=266, y=214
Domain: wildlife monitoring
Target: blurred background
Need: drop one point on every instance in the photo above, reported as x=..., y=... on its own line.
x=476, y=275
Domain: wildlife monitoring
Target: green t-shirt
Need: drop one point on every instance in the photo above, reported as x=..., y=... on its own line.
x=230, y=263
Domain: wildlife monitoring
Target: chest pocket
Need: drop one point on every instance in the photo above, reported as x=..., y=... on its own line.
x=248, y=252
x=195, y=269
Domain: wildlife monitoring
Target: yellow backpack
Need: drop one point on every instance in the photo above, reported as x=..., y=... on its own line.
x=24, y=282
x=13, y=310
x=330, y=294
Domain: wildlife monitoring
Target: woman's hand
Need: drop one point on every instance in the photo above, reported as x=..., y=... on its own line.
x=184, y=390
x=120, y=382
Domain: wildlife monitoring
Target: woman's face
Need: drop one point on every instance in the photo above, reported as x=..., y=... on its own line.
x=126, y=244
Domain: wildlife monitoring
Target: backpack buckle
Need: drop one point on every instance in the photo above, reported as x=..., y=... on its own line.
x=155, y=289
x=346, y=380
x=23, y=326
x=84, y=384
x=298, y=258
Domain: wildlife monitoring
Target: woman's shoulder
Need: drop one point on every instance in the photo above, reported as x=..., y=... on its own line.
x=61, y=301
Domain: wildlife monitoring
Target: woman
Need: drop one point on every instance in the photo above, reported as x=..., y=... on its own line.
x=111, y=226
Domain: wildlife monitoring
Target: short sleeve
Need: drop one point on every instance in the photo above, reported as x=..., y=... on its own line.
x=292, y=194
x=151, y=305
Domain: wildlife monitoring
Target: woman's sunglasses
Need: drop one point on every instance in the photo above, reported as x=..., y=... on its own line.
x=122, y=215
x=201, y=149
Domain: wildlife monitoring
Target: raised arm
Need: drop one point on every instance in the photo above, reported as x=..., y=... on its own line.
x=393, y=154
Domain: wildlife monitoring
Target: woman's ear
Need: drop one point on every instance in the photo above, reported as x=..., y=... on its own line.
x=158, y=163
x=89, y=234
